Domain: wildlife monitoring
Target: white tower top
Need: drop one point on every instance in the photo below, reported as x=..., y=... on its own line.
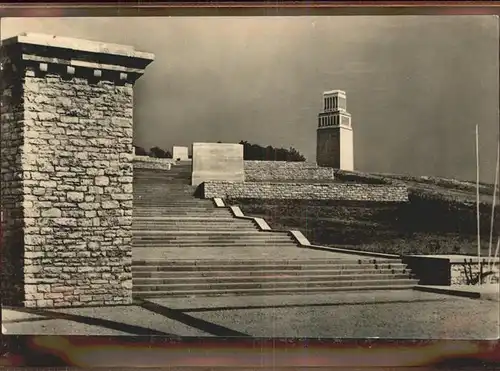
x=334, y=101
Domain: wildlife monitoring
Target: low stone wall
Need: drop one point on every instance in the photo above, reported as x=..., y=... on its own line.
x=449, y=270
x=261, y=171
x=300, y=191
x=429, y=270
x=461, y=272
x=146, y=162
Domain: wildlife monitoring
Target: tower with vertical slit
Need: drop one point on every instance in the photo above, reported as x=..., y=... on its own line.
x=334, y=146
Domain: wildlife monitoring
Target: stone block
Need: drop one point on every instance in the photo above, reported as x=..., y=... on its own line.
x=217, y=162
x=180, y=153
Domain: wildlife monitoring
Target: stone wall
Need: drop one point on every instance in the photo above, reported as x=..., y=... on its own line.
x=67, y=173
x=261, y=171
x=326, y=191
x=450, y=270
x=11, y=183
x=461, y=273
x=146, y=162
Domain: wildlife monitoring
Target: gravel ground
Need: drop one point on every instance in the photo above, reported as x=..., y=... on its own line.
x=385, y=314
x=124, y=320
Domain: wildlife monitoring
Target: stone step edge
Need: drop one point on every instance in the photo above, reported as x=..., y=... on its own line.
x=255, y=233
x=187, y=218
x=318, y=277
x=395, y=286
x=253, y=261
x=301, y=240
x=143, y=274
x=258, y=265
x=288, y=283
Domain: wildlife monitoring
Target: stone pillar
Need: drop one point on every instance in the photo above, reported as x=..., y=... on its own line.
x=66, y=170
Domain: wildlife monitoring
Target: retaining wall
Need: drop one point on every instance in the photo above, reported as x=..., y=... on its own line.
x=439, y=270
x=326, y=191
x=262, y=171
x=146, y=162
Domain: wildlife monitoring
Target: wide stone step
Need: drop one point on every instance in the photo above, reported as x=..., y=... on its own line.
x=164, y=182
x=167, y=219
x=272, y=291
x=163, y=190
x=173, y=239
x=177, y=206
x=225, y=247
x=172, y=201
x=174, y=169
x=169, y=174
x=161, y=182
x=202, y=236
x=184, y=223
x=260, y=272
x=168, y=196
x=163, y=187
x=177, y=203
x=162, y=172
x=190, y=227
x=197, y=228
x=202, y=221
x=208, y=234
x=259, y=265
x=205, y=206
x=187, y=200
x=143, y=180
x=264, y=279
x=179, y=213
x=181, y=235
x=164, y=193
x=266, y=262
x=272, y=286
x=220, y=219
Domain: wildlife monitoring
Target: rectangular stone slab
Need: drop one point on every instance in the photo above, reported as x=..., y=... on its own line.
x=180, y=153
x=217, y=161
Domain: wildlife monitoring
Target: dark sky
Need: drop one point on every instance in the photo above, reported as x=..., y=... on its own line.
x=416, y=85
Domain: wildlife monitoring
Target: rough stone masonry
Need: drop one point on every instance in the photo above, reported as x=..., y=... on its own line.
x=66, y=170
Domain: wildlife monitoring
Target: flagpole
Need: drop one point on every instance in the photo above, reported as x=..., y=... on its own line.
x=496, y=250
x=494, y=203
x=477, y=202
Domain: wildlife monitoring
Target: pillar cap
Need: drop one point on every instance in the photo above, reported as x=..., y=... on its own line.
x=83, y=45
x=51, y=50
x=334, y=92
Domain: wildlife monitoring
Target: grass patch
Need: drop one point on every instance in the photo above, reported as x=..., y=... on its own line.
x=423, y=226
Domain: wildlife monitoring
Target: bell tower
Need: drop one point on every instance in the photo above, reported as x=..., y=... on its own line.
x=334, y=146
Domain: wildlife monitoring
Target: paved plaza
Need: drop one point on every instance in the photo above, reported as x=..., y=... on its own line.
x=385, y=314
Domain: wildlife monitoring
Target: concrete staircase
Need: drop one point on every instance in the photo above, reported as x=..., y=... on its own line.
x=184, y=246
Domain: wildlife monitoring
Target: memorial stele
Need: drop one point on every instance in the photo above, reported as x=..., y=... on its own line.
x=180, y=153
x=217, y=162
